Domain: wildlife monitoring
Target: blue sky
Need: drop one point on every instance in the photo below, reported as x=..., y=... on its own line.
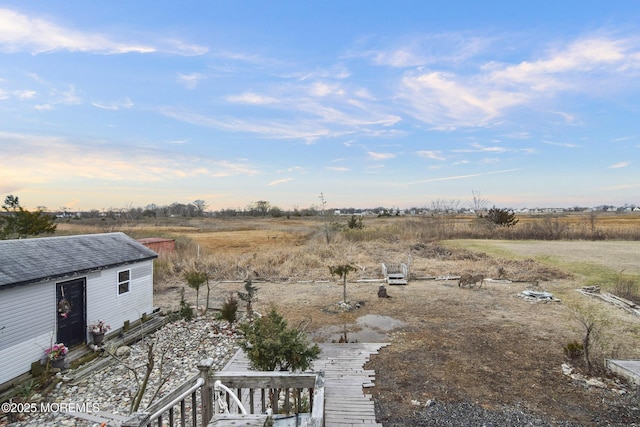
x=373, y=103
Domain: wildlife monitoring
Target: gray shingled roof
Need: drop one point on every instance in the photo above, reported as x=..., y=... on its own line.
x=24, y=261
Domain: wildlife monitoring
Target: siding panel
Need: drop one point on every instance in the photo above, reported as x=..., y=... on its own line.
x=29, y=327
x=104, y=303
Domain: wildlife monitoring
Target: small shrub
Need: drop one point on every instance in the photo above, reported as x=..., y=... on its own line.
x=355, y=223
x=573, y=351
x=186, y=312
x=195, y=279
x=229, y=309
x=27, y=389
x=271, y=344
x=500, y=217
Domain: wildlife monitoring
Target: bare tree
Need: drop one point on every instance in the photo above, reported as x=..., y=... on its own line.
x=262, y=206
x=478, y=203
x=200, y=206
x=441, y=206
x=592, y=328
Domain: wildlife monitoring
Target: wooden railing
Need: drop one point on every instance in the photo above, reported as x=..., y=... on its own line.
x=180, y=407
x=281, y=394
x=260, y=393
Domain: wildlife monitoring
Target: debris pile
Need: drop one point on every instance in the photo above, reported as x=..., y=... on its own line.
x=613, y=385
x=625, y=304
x=538, y=296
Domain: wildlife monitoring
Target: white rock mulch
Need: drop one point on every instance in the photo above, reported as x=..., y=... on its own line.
x=111, y=389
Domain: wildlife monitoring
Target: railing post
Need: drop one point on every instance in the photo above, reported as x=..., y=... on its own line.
x=206, y=395
x=137, y=419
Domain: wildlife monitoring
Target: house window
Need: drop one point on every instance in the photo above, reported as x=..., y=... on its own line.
x=124, y=281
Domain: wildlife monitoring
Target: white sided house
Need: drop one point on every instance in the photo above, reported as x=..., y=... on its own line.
x=52, y=288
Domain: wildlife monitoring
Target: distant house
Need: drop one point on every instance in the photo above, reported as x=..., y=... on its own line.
x=51, y=288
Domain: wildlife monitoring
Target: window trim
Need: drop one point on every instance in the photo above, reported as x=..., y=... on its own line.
x=120, y=283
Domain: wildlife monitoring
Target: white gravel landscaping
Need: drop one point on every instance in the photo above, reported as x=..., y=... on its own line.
x=111, y=388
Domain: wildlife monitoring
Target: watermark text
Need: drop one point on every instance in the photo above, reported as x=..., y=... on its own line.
x=48, y=407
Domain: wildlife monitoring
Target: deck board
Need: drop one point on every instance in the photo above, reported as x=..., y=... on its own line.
x=346, y=403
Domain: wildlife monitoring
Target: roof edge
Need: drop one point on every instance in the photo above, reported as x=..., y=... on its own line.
x=72, y=274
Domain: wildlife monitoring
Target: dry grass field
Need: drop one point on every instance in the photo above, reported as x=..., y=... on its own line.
x=484, y=346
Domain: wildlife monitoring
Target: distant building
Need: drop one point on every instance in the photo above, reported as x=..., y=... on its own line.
x=159, y=245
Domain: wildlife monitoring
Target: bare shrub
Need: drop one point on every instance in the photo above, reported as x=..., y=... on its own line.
x=593, y=325
x=626, y=287
x=229, y=309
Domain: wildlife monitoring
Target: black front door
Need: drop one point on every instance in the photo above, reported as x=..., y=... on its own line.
x=70, y=312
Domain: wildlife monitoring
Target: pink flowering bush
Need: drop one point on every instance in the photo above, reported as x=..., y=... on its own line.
x=56, y=351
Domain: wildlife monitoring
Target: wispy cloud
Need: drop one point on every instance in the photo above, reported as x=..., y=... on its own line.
x=20, y=32
x=455, y=177
x=251, y=98
x=179, y=47
x=280, y=181
x=326, y=89
x=338, y=168
x=380, y=156
x=448, y=100
x=568, y=118
x=60, y=97
x=25, y=94
x=433, y=155
x=423, y=50
x=190, y=81
x=562, y=144
x=625, y=138
x=579, y=57
x=67, y=97
x=480, y=148
x=114, y=106
x=619, y=165
x=41, y=159
x=307, y=117
x=304, y=129
x=400, y=58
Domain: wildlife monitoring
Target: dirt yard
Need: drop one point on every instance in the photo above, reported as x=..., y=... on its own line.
x=487, y=347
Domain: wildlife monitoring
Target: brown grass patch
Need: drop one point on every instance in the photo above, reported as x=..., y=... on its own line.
x=244, y=241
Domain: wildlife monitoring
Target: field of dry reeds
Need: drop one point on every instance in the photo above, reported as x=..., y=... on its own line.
x=302, y=248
